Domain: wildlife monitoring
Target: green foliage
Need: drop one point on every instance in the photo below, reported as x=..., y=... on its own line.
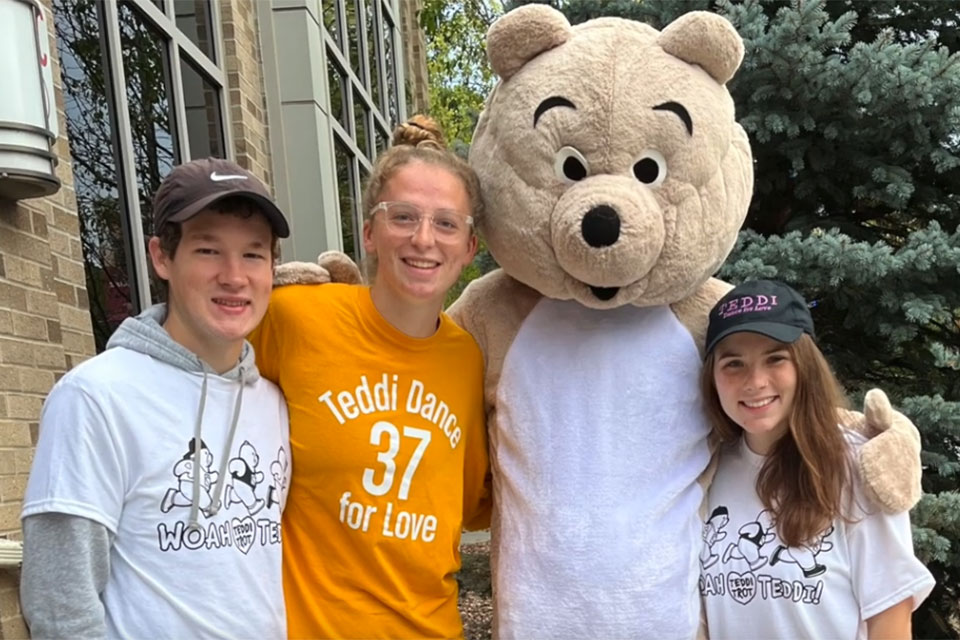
x=460, y=75
x=460, y=79
x=856, y=134
x=879, y=311
x=482, y=263
x=935, y=533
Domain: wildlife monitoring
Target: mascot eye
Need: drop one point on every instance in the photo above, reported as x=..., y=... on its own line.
x=651, y=168
x=570, y=165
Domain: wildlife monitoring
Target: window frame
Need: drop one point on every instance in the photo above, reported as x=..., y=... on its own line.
x=178, y=45
x=386, y=15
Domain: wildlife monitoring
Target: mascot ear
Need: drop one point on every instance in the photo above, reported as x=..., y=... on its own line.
x=707, y=40
x=523, y=34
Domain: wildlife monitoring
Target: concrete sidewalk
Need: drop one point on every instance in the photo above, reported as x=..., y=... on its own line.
x=472, y=537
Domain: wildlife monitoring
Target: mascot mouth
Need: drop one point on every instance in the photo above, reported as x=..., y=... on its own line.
x=604, y=293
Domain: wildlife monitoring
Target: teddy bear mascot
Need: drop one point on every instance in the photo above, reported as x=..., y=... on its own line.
x=615, y=179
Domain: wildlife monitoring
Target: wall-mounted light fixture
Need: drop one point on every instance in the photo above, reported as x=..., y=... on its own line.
x=28, y=111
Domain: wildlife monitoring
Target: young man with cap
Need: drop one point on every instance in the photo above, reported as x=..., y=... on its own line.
x=153, y=506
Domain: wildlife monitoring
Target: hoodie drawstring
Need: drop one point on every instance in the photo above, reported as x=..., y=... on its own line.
x=218, y=487
x=194, y=522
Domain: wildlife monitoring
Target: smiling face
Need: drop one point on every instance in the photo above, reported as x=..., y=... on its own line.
x=756, y=382
x=219, y=278
x=417, y=269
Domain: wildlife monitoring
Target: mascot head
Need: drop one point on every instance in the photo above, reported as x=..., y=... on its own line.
x=612, y=167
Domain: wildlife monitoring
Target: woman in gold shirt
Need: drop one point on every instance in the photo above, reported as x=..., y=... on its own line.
x=387, y=432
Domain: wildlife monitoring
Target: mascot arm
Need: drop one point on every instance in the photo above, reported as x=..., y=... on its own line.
x=693, y=312
x=331, y=266
x=889, y=462
x=469, y=311
x=492, y=309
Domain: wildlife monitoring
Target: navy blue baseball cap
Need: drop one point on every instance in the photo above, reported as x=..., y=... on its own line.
x=767, y=307
x=193, y=186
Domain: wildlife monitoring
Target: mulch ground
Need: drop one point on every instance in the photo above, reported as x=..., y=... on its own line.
x=476, y=604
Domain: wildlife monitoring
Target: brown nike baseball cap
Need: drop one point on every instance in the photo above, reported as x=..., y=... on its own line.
x=193, y=186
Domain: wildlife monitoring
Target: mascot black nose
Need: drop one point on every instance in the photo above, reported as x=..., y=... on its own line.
x=601, y=226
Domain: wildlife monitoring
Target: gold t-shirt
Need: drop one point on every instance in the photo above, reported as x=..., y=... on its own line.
x=389, y=455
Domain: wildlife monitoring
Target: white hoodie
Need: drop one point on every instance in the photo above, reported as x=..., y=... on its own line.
x=188, y=472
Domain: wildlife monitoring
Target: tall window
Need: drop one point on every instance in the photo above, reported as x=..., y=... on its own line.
x=362, y=70
x=143, y=91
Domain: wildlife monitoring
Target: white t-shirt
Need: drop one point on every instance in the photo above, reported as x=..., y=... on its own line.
x=754, y=587
x=115, y=455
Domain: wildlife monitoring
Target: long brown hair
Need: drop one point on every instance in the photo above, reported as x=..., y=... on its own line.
x=803, y=479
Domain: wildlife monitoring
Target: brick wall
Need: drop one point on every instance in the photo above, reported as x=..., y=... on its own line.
x=44, y=330
x=248, y=106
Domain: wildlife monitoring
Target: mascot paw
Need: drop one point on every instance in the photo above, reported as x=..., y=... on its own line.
x=340, y=267
x=890, y=460
x=299, y=273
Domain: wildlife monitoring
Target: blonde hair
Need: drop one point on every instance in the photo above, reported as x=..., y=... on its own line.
x=419, y=139
x=803, y=479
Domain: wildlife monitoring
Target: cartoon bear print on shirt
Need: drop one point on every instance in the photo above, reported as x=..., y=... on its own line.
x=278, y=469
x=805, y=556
x=754, y=565
x=243, y=470
x=713, y=533
x=752, y=537
x=184, y=470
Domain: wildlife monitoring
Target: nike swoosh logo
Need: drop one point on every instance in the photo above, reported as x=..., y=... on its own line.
x=217, y=177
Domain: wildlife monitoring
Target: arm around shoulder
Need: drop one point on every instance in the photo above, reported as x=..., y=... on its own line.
x=693, y=312
x=66, y=563
x=889, y=463
x=477, y=481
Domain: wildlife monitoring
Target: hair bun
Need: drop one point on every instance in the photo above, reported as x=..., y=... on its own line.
x=419, y=131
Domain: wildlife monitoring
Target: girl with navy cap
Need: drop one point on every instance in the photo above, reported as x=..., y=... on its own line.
x=828, y=565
